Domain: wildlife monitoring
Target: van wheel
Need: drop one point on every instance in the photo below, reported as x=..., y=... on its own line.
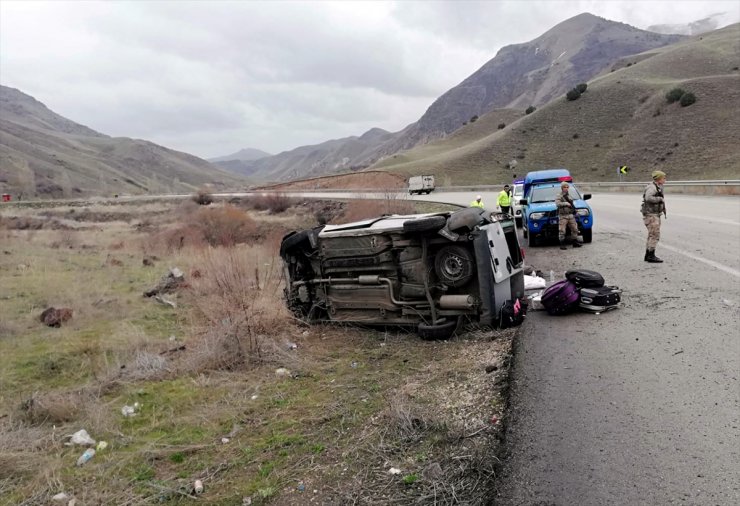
x=587, y=235
x=436, y=332
x=532, y=240
x=454, y=265
x=424, y=224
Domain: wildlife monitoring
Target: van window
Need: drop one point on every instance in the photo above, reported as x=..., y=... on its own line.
x=511, y=241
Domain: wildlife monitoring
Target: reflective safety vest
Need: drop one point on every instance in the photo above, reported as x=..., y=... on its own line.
x=504, y=199
x=477, y=203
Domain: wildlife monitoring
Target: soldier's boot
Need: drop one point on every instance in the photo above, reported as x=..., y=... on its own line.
x=653, y=259
x=576, y=244
x=562, y=244
x=647, y=255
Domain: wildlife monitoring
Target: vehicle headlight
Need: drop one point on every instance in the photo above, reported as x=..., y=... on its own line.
x=583, y=212
x=536, y=216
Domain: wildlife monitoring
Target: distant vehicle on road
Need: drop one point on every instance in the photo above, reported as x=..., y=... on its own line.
x=539, y=212
x=516, y=195
x=421, y=184
x=430, y=271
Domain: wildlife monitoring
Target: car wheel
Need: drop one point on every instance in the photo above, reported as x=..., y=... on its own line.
x=436, y=332
x=424, y=224
x=587, y=235
x=532, y=240
x=293, y=240
x=518, y=222
x=454, y=265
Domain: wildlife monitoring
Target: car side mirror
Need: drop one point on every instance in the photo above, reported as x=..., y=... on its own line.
x=586, y=196
x=523, y=202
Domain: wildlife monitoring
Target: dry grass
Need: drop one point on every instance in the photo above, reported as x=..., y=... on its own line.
x=357, y=210
x=354, y=399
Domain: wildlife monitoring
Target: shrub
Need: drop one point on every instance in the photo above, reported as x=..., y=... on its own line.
x=687, y=99
x=501, y=126
x=474, y=119
x=225, y=226
x=575, y=136
x=530, y=109
x=581, y=87
x=274, y=202
x=573, y=94
x=203, y=198
x=674, y=95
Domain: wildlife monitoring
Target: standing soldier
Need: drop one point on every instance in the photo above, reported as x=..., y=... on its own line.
x=567, y=219
x=504, y=200
x=477, y=202
x=653, y=205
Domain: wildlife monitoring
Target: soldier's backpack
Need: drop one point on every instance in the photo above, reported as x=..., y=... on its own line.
x=583, y=278
x=560, y=298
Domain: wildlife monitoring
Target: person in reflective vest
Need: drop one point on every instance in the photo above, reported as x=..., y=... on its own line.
x=504, y=199
x=477, y=202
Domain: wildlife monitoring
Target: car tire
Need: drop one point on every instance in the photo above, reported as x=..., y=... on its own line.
x=454, y=265
x=424, y=224
x=587, y=235
x=518, y=222
x=532, y=240
x=436, y=332
x=465, y=220
x=293, y=240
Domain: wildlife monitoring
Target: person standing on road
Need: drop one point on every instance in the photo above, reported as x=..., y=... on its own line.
x=477, y=202
x=653, y=205
x=566, y=216
x=504, y=200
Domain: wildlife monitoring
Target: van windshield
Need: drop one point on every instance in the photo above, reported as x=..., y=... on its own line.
x=541, y=194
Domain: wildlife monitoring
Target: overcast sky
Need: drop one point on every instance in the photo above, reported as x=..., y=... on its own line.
x=210, y=78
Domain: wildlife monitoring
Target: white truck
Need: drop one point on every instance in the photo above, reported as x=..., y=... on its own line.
x=421, y=184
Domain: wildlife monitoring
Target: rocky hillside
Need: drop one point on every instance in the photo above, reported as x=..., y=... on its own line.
x=622, y=119
x=45, y=154
x=520, y=75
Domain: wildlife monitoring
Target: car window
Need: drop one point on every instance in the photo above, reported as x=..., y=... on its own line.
x=518, y=189
x=549, y=193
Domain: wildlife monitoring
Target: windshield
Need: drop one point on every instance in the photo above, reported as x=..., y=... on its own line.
x=549, y=193
x=518, y=190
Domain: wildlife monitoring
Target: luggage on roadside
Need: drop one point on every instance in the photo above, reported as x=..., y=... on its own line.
x=561, y=297
x=512, y=314
x=600, y=299
x=583, y=278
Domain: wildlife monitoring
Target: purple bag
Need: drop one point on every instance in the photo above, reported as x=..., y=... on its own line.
x=561, y=297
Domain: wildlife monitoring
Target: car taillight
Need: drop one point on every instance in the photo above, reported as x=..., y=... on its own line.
x=522, y=251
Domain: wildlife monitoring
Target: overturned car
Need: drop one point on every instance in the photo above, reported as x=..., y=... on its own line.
x=430, y=271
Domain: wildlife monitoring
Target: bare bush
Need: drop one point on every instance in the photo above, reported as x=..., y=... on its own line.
x=274, y=202
x=203, y=197
x=51, y=408
x=238, y=315
x=225, y=226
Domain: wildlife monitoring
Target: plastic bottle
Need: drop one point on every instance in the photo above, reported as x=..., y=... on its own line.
x=89, y=453
x=198, y=487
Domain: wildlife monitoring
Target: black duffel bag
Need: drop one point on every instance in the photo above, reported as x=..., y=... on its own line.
x=583, y=278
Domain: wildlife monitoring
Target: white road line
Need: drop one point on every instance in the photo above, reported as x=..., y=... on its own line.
x=716, y=265
x=692, y=216
x=711, y=263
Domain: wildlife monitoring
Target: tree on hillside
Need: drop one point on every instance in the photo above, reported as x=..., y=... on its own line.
x=674, y=95
x=573, y=94
x=530, y=109
x=687, y=99
x=581, y=87
x=474, y=119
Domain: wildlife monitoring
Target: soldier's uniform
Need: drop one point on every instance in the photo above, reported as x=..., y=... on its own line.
x=566, y=218
x=653, y=205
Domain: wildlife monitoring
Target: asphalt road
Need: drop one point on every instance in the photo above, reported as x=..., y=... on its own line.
x=640, y=405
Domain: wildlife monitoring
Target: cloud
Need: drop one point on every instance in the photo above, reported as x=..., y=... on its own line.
x=213, y=77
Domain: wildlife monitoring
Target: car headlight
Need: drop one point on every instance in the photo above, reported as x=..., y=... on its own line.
x=536, y=216
x=583, y=212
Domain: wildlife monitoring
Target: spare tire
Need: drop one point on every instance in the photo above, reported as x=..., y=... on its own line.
x=292, y=240
x=465, y=219
x=424, y=224
x=435, y=332
x=454, y=265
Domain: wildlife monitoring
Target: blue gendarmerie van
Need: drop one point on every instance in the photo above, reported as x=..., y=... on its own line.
x=539, y=212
